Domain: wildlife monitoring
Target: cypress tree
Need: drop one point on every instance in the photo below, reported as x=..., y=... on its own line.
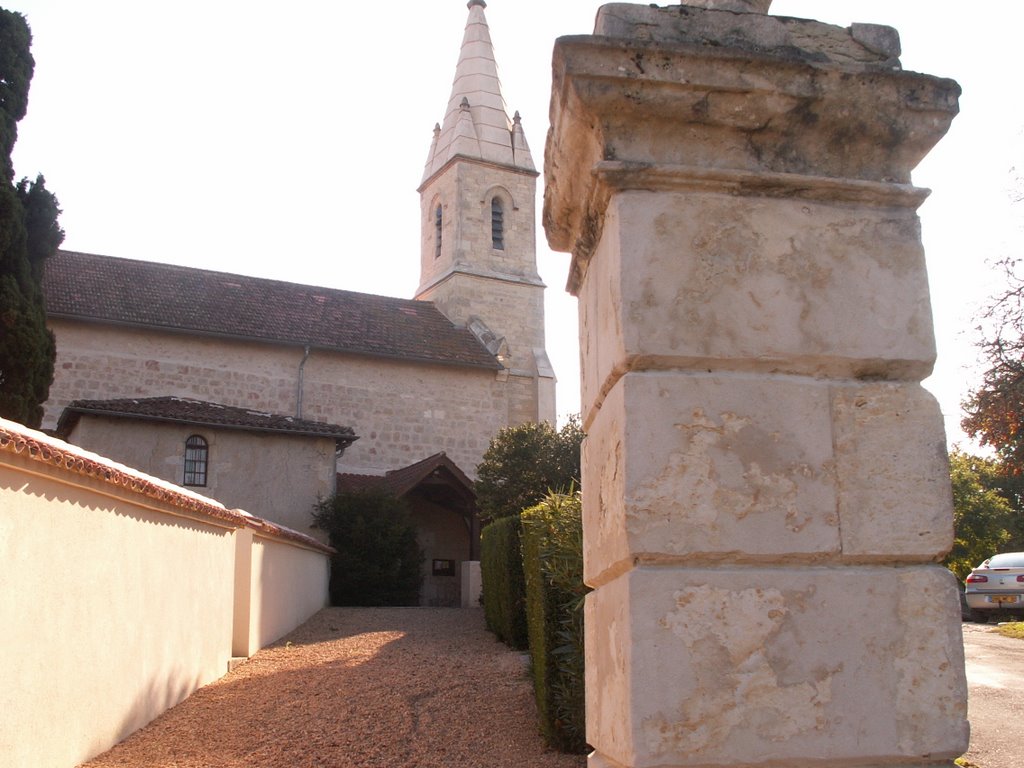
x=29, y=234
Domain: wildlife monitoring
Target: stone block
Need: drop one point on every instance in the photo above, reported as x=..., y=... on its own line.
x=892, y=471
x=758, y=469
x=790, y=666
x=709, y=466
x=698, y=281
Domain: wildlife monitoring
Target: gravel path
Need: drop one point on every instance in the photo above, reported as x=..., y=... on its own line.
x=381, y=687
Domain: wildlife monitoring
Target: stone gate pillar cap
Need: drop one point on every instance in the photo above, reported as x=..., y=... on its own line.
x=742, y=6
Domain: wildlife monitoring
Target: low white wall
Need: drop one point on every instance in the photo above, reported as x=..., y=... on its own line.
x=287, y=584
x=119, y=596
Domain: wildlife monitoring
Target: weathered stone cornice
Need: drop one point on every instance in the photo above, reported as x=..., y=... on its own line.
x=772, y=104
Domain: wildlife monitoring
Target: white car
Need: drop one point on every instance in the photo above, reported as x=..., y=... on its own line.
x=996, y=585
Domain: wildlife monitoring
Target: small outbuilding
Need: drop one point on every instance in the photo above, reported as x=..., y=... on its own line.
x=273, y=466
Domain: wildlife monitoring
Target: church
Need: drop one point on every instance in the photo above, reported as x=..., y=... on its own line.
x=268, y=395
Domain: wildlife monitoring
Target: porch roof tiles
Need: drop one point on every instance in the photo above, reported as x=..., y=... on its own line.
x=399, y=482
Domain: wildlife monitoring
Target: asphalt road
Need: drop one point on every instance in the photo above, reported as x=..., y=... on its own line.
x=995, y=704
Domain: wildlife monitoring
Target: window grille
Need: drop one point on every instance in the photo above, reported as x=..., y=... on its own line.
x=497, y=224
x=197, y=454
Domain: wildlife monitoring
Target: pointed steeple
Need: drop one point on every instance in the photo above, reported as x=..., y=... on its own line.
x=476, y=124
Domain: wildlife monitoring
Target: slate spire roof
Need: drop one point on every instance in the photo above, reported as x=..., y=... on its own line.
x=171, y=298
x=476, y=124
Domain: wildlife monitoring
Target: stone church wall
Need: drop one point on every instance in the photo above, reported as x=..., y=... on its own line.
x=402, y=411
x=515, y=311
x=405, y=412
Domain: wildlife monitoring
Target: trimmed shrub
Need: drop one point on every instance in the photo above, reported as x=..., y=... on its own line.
x=378, y=560
x=552, y=543
x=504, y=593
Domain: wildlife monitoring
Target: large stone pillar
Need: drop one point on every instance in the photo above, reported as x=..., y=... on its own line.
x=765, y=482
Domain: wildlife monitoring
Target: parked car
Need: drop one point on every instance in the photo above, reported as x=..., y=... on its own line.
x=997, y=585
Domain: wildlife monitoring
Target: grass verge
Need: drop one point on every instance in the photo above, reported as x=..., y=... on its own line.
x=1012, y=629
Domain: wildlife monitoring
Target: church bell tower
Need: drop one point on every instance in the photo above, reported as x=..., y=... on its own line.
x=478, y=260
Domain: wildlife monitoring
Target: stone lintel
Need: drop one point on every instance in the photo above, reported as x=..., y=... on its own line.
x=676, y=99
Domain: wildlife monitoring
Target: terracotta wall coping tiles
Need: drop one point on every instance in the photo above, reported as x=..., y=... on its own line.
x=65, y=458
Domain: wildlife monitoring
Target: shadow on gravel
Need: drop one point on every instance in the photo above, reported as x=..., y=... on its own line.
x=358, y=687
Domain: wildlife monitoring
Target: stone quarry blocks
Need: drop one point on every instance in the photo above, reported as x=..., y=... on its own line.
x=760, y=468
x=745, y=666
x=756, y=283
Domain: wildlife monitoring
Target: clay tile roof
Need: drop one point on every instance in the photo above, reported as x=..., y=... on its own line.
x=184, y=410
x=399, y=482
x=145, y=294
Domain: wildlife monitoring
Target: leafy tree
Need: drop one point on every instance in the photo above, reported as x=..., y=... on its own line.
x=983, y=520
x=524, y=463
x=29, y=234
x=995, y=410
x=378, y=559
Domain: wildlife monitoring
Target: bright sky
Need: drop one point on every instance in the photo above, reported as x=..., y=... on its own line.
x=287, y=140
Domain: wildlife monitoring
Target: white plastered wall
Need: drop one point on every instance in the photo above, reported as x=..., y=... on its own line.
x=102, y=629
x=121, y=596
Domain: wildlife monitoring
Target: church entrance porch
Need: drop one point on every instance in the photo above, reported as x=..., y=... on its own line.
x=442, y=507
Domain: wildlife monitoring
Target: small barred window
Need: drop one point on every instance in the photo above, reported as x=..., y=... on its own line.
x=197, y=455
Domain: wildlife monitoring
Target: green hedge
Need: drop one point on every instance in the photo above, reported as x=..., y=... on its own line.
x=504, y=593
x=553, y=568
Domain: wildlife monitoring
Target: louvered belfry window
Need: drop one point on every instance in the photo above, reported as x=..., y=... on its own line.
x=497, y=224
x=197, y=456
x=438, y=221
